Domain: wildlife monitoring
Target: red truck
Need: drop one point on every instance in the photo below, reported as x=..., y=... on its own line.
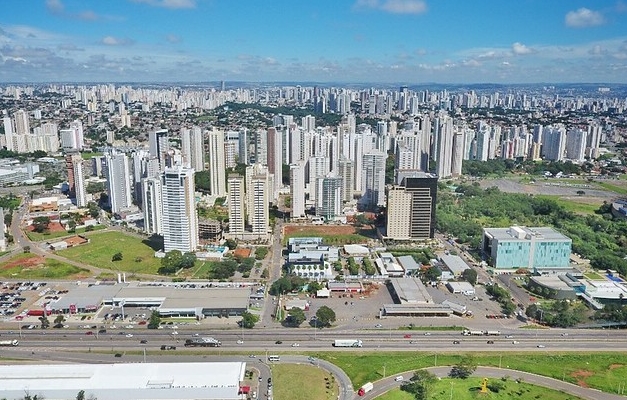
x=365, y=388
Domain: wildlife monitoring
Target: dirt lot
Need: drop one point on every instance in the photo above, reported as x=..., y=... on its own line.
x=25, y=262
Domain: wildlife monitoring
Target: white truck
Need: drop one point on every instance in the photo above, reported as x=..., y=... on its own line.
x=467, y=332
x=203, y=342
x=347, y=343
x=9, y=342
x=493, y=333
x=365, y=388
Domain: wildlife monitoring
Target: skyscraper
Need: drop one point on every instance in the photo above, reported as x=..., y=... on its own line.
x=411, y=207
x=373, y=179
x=158, y=144
x=346, y=171
x=258, y=214
x=152, y=205
x=192, y=147
x=217, y=168
x=118, y=182
x=180, y=222
x=275, y=160
x=297, y=189
x=329, y=197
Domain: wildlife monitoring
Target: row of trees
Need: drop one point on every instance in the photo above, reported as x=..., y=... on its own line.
x=421, y=383
x=560, y=314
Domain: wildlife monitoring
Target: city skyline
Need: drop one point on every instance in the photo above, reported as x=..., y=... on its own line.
x=360, y=41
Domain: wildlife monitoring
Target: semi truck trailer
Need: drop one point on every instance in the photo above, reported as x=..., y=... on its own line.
x=365, y=388
x=347, y=343
x=9, y=342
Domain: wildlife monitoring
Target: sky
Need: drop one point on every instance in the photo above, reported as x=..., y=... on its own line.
x=334, y=41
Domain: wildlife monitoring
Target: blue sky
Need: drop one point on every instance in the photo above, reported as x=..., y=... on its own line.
x=356, y=41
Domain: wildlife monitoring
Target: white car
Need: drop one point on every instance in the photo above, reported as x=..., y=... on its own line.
x=515, y=342
x=508, y=336
x=240, y=341
x=175, y=333
x=129, y=335
x=295, y=345
x=399, y=378
x=541, y=346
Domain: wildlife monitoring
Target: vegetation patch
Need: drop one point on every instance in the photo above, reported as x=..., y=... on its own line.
x=137, y=254
x=331, y=234
x=30, y=266
x=366, y=367
x=303, y=382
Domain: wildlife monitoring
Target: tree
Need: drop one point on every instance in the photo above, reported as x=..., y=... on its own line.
x=261, y=252
x=248, y=320
x=420, y=384
x=59, y=319
x=117, y=257
x=231, y=244
x=281, y=286
x=26, y=249
x=470, y=276
x=45, y=323
x=71, y=224
x=464, y=368
x=80, y=395
x=296, y=316
x=155, y=320
x=325, y=316
x=432, y=274
x=40, y=224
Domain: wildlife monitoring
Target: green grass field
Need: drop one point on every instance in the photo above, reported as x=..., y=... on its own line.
x=602, y=371
x=39, y=237
x=578, y=207
x=469, y=389
x=50, y=269
x=303, y=382
x=138, y=256
x=612, y=188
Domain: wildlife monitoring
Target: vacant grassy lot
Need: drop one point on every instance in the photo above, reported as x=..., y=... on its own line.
x=596, y=370
x=303, y=382
x=469, y=389
x=578, y=205
x=39, y=237
x=331, y=234
x=137, y=255
x=30, y=266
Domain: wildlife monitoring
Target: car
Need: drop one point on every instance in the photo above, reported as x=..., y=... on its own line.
x=254, y=395
x=89, y=333
x=118, y=355
x=167, y=347
x=129, y=335
x=515, y=342
x=102, y=331
x=407, y=336
x=252, y=356
x=564, y=334
x=398, y=378
x=490, y=341
x=260, y=378
x=278, y=342
x=295, y=345
x=196, y=335
x=378, y=326
x=427, y=333
x=143, y=341
x=508, y=336
x=413, y=342
x=175, y=333
x=240, y=341
x=456, y=342
x=540, y=346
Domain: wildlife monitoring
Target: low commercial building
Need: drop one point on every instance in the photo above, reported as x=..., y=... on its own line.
x=415, y=310
x=409, y=291
x=410, y=265
x=148, y=381
x=461, y=287
x=537, y=249
x=345, y=287
x=453, y=263
x=387, y=265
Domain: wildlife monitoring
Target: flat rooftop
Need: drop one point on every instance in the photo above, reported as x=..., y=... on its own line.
x=523, y=233
x=198, y=380
x=411, y=291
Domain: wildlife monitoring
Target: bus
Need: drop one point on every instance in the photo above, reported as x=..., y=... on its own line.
x=274, y=358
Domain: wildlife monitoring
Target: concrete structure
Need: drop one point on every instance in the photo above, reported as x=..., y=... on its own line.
x=152, y=205
x=236, y=205
x=464, y=288
x=297, y=189
x=345, y=287
x=409, y=291
x=329, y=197
x=148, y=381
x=415, y=310
x=118, y=182
x=180, y=221
x=387, y=265
x=373, y=179
x=453, y=263
x=410, y=265
x=411, y=208
x=531, y=248
x=159, y=144
x=192, y=147
x=217, y=167
x=76, y=178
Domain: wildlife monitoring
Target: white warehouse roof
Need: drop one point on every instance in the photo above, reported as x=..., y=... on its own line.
x=139, y=381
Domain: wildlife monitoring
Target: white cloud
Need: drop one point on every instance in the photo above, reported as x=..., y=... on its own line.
x=394, y=6
x=583, y=18
x=173, y=4
x=54, y=6
x=520, y=49
x=113, y=41
x=171, y=38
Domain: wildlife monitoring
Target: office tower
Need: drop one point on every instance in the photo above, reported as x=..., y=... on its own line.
x=217, y=168
x=118, y=182
x=152, y=205
x=275, y=164
x=261, y=147
x=243, y=146
x=576, y=140
x=236, y=204
x=192, y=148
x=158, y=145
x=180, y=222
x=297, y=189
x=403, y=157
x=411, y=207
x=346, y=171
x=443, y=141
x=329, y=197
x=76, y=178
x=373, y=180
x=257, y=187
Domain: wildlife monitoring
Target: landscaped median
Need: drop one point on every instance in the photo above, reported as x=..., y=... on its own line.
x=603, y=371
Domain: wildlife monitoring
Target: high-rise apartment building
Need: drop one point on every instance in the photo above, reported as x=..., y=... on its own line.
x=329, y=197
x=346, y=171
x=275, y=160
x=217, y=167
x=158, y=145
x=118, y=181
x=258, y=214
x=411, y=207
x=297, y=189
x=180, y=221
x=152, y=205
x=373, y=179
x=236, y=205
x=76, y=178
x=192, y=147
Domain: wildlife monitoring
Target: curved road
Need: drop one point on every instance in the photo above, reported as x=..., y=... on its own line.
x=387, y=384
